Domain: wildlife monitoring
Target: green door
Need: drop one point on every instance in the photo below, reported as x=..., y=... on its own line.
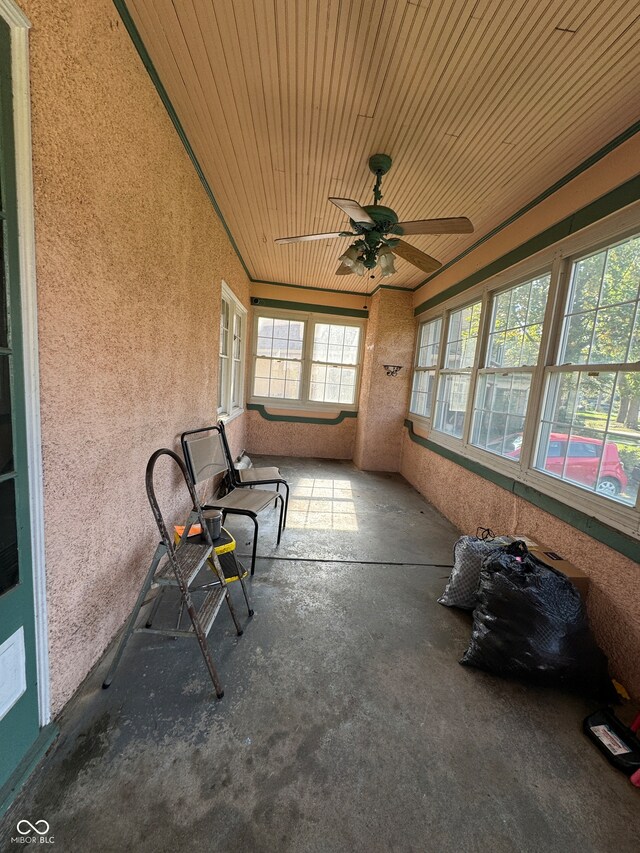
x=19, y=717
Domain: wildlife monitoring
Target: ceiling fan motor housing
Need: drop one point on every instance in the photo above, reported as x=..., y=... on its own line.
x=385, y=219
x=380, y=163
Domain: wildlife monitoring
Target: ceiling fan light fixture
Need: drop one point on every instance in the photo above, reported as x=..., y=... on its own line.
x=351, y=259
x=385, y=259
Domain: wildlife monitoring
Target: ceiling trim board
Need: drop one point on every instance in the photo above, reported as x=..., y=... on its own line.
x=561, y=182
x=389, y=287
x=360, y=293
x=143, y=53
x=607, y=204
x=260, y=302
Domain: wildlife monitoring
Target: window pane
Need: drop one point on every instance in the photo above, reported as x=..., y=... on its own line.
x=499, y=412
x=8, y=537
x=429, y=343
x=263, y=346
x=335, y=344
x=277, y=378
x=237, y=336
x=278, y=366
x=453, y=390
x=590, y=434
x=222, y=382
x=462, y=336
x=281, y=329
x=516, y=324
x=586, y=283
x=224, y=328
x=235, y=384
x=422, y=392
x=602, y=308
x=265, y=327
x=332, y=384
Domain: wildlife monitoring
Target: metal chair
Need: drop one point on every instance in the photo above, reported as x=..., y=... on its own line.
x=205, y=457
x=247, y=478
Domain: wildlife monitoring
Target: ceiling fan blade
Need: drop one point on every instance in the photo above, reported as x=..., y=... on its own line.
x=305, y=237
x=343, y=269
x=456, y=225
x=419, y=259
x=353, y=210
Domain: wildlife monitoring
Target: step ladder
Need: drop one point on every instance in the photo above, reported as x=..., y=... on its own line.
x=178, y=565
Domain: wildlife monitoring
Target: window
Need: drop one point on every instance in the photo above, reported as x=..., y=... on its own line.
x=503, y=386
x=538, y=378
x=424, y=375
x=232, y=348
x=306, y=358
x=592, y=396
x=455, y=376
x=278, y=366
x=333, y=371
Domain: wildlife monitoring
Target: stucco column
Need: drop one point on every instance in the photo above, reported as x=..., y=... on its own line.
x=384, y=399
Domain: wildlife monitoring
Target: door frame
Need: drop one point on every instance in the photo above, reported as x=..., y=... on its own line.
x=19, y=26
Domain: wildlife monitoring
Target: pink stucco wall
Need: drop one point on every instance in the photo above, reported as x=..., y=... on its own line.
x=384, y=399
x=130, y=256
x=283, y=438
x=470, y=501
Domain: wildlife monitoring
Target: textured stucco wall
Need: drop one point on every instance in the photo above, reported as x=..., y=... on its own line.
x=384, y=399
x=130, y=256
x=283, y=438
x=470, y=501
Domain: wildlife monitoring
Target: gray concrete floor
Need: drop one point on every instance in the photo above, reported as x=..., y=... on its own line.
x=347, y=722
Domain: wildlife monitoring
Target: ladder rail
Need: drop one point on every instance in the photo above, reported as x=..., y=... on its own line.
x=183, y=560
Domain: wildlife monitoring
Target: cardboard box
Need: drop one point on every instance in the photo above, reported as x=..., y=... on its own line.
x=550, y=557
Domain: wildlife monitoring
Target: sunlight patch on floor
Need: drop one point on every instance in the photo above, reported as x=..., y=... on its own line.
x=322, y=505
x=308, y=487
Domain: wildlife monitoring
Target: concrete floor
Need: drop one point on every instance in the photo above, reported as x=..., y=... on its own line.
x=347, y=723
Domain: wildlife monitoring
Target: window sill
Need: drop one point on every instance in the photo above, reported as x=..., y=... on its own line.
x=225, y=418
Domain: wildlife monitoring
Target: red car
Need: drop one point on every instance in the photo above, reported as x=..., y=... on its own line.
x=579, y=462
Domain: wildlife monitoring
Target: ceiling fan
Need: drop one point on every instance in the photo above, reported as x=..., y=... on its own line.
x=377, y=232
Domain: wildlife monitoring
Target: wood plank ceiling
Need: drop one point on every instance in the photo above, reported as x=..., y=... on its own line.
x=481, y=103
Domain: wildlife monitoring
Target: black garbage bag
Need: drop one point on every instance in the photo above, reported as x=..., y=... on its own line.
x=530, y=622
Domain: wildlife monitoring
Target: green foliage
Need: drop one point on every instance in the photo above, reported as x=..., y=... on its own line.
x=630, y=456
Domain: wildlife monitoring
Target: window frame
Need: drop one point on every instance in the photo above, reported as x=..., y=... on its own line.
x=432, y=368
x=309, y=319
x=484, y=335
x=226, y=408
x=557, y=261
x=458, y=371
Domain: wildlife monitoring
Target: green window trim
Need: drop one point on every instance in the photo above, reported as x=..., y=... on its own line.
x=260, y=302
x=300, y=419
x=598, y=530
